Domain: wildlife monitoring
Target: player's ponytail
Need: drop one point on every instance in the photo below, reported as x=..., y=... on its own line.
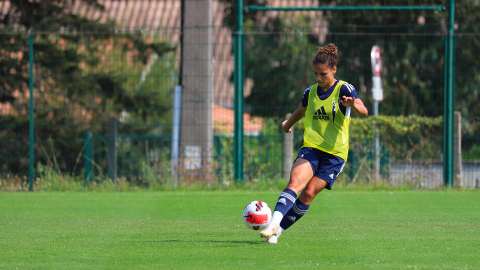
x=327, y=54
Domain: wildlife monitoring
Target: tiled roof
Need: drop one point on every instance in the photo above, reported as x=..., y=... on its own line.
x=223, y=121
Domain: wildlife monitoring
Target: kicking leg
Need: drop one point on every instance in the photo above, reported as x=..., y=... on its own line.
x=315, y=186
x=301, y=173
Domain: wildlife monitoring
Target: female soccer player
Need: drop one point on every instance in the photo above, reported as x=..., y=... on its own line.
x=326, y=106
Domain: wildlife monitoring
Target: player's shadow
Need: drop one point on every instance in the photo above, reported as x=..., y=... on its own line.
x=212, y=241
x=238, y=242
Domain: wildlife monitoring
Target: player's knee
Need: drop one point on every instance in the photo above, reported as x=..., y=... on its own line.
x=310, y=194
x=307, y=197
x=295, y=184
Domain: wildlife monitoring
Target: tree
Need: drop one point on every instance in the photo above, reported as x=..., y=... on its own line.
x=83, y=74
x=277, y=51
x=412, y=43
x=413, y=51
x=278, y=60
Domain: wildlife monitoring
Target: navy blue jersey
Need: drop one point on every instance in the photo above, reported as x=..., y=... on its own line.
x=346, y=90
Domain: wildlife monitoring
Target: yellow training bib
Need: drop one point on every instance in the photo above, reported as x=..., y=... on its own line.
x=326, y=128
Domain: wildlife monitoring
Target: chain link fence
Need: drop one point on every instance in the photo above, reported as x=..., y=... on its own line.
x=103, y=102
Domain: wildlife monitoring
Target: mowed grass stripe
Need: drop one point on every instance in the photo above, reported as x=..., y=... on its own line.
x=204, y=230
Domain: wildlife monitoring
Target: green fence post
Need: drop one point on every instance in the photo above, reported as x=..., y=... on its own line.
x=123, y=156
x=112, y=148
x=100, y=157
x=85, y=159
x=218, y=155
x=449, y=99
x=88, y=157
x=139, y=160
x=238, y=106
x=32, y=155
x=130, y=157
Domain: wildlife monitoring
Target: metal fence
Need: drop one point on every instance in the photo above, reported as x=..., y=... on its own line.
x=83, y=78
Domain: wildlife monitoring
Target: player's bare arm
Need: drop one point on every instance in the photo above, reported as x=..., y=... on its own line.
x=296, y=116
x=356, y=104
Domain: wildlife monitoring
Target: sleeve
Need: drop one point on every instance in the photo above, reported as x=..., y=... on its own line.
x=349, y=91
x=305, y=96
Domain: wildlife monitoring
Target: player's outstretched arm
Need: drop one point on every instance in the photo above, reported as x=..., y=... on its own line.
x=296, y=116
x=356, y=104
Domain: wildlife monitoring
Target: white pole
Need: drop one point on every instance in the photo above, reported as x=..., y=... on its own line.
x=377, y=93
x=177, y=109
x=457, y=149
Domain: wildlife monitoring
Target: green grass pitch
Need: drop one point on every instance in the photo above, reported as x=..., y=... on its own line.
x=204, y=230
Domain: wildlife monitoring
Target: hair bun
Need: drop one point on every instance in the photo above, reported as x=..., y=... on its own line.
x=327, y=54
x=330, y=49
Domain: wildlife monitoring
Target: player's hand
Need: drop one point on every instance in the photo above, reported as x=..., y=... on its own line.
x=283, y=127
x=347, y=101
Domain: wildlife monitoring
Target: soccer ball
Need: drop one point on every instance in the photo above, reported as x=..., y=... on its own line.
x=257, y=215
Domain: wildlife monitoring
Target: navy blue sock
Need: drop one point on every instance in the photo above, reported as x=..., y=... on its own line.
x=285, y=201
x=295, y=213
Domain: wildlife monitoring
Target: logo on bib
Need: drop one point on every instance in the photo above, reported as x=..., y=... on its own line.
x=320, y=114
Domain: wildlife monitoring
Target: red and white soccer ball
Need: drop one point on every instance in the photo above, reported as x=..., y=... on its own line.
x=257, y=215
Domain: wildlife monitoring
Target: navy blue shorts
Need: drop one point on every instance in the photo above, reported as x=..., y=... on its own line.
x=324, y=165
